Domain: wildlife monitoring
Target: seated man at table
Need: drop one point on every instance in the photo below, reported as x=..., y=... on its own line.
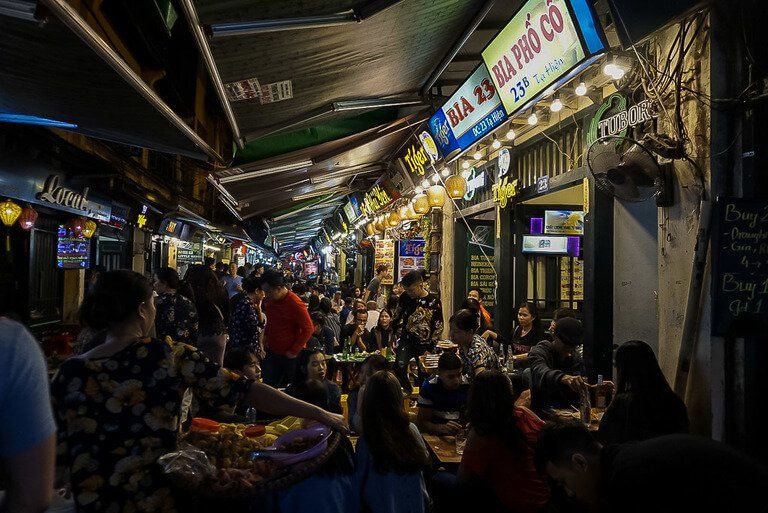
x=557, y=368
x=442, y=398
x=355, y=333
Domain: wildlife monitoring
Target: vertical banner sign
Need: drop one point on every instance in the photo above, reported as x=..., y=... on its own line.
x=538, y=47
x=410, y=256
x=385, y=254
x=740, y=264
x=469, y=115
x=479, y=270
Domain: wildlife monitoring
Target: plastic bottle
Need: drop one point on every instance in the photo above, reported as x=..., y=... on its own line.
x=585, y=408
x=250, y=415
x=600, y=393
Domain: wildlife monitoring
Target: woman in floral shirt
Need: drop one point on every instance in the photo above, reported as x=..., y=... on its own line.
x=176, y=314
x=476, y=355
x=118, y=405
x=246, y=323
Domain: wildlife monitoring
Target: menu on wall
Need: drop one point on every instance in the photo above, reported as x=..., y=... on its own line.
x=480, y=272
x=189, y=253
x=570, y=265
x=740, y=263
x=385, y=254
x=410, y=256
x=72, y=251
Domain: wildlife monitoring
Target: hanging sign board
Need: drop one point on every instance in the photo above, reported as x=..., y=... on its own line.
x=740, y=264
x=540, y=48
x=410, y=256
x=475, y=182
x=545, y=244
x=564, y=222
x=379, y=197
x=615, y=117
x=503, y=191
x=419, y=154
x=504, y=160
x=72, y=251
x=470, y=114
x=385, y=254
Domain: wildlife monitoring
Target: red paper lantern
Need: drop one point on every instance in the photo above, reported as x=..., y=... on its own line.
x=28, y=217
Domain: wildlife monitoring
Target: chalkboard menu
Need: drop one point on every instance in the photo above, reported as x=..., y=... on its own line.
x=740, y=242
x=480, y=272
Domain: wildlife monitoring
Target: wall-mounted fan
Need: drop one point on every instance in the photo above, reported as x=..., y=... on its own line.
x=626, y=169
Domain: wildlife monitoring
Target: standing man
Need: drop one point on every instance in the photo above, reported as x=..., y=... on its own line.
x=372, y=290
x=418, y=320
x=232, y=281
x=287, y=331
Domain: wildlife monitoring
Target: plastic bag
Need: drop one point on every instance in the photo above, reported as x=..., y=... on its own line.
x=188, y=464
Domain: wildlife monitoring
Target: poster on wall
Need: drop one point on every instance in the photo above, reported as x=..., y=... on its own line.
x=545, y=43
x=310, y=269
x=385, y=254
x=570, y=265
x=472, y=112
x=410, y=256
x=564, y=222
x=189, y=253
x=480, y=271
x=72, y=251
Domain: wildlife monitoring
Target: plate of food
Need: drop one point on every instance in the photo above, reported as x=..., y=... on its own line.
x=296, y=446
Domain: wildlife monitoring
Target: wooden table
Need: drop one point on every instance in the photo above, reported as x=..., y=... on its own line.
x=443, y=448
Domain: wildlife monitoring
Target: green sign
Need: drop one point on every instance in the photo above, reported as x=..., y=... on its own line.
x=480, y=262
x=615, y=118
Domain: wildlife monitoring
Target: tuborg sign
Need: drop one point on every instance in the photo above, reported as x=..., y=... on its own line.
x=615, y=118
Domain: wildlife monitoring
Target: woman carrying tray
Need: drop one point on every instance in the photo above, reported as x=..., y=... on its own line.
x=118, y=405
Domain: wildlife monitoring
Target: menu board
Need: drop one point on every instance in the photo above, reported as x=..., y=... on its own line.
x=192, y=253
x=410, y=256
x=72, y=252
x=570, y=265
x=539, y=48
x=470, y=114
x=740, y=263
x=480, y=271
x=385, y=254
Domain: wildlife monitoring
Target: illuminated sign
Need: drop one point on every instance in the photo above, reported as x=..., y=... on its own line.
x=613, y=117
x=472, y=112
x=539, y=48
x=381, y=195
x=72, y=251
x=55, y=193
x=544, y=244
x=503, y=191
x=504, y=160
x=564, y=222
x=475, y=181
x=416, y=158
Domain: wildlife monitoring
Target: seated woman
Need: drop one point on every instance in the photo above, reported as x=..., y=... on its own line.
x=383, y=334
x=499, y=455
x=644, y=405
x=476, y=355
x=312, y=367
x=370, y=365
x=527, y=334
x=391, y=455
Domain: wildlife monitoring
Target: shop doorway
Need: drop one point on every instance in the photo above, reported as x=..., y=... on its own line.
x=475, y=258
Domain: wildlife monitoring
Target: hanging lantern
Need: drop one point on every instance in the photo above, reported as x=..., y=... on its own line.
x=420, y=204
x=369, y=229
x=89, y=228
x=9, y=212
x=412, y=213
x=436, y=196
x=403, y=213
x=393, y=219
x=76, y=226
x=28, y=217
x=455, y=186
x=378, y=225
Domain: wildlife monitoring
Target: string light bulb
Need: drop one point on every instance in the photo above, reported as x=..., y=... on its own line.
x=556, y=105
x=614, y=70
x=418, y=189
x=510, y=133
x=581, y=89
x=496, y=144
x=533, y=119
x=465, y=164
x=477, y=155
x=445, y=173
x=435, y=178
x=425, y=184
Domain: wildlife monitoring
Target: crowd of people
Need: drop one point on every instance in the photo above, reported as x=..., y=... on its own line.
x=252, y=343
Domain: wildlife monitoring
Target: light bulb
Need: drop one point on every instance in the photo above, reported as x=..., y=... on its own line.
x=533, y=119
x=417, y=190
x=609, y=68
x=445, y=172
x=618, y=73
x=581, y=89
x=556, y=105
x=425, y=183
x=510, y=134
x=435, y=178
x=465, y=174
x=465, y=164
x=477, y=155
x=496, y=144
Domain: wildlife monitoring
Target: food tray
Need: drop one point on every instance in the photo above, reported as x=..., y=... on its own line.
x=283, y=478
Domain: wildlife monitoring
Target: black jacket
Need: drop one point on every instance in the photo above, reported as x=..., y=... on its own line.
x=547, y=368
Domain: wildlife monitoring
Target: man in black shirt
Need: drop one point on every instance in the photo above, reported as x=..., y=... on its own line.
x=372, y=290
x=673, y=473
x=355, y=333
x=557, y=368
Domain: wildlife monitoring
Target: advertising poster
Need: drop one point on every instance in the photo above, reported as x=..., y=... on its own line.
x=540, y=45
x=471, y=113
x=479, y=269
x=545, y=244
x=570, y=265
x=564, y=222
x=385, y=254
x=410, y=256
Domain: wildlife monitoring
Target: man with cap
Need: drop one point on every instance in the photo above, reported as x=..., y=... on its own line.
x=557, y=368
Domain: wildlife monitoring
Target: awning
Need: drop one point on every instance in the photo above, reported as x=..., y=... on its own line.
x=63, y=71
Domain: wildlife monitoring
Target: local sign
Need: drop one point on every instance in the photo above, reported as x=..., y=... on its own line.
x=55, y=193
x=542, y=43
x=614, y=117
x=471, y=113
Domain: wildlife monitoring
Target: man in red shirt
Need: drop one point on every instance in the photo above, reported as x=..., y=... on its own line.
x=287, y=332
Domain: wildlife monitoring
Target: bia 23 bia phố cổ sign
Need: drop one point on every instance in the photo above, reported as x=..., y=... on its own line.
x=541, y=45
x=469, y=115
